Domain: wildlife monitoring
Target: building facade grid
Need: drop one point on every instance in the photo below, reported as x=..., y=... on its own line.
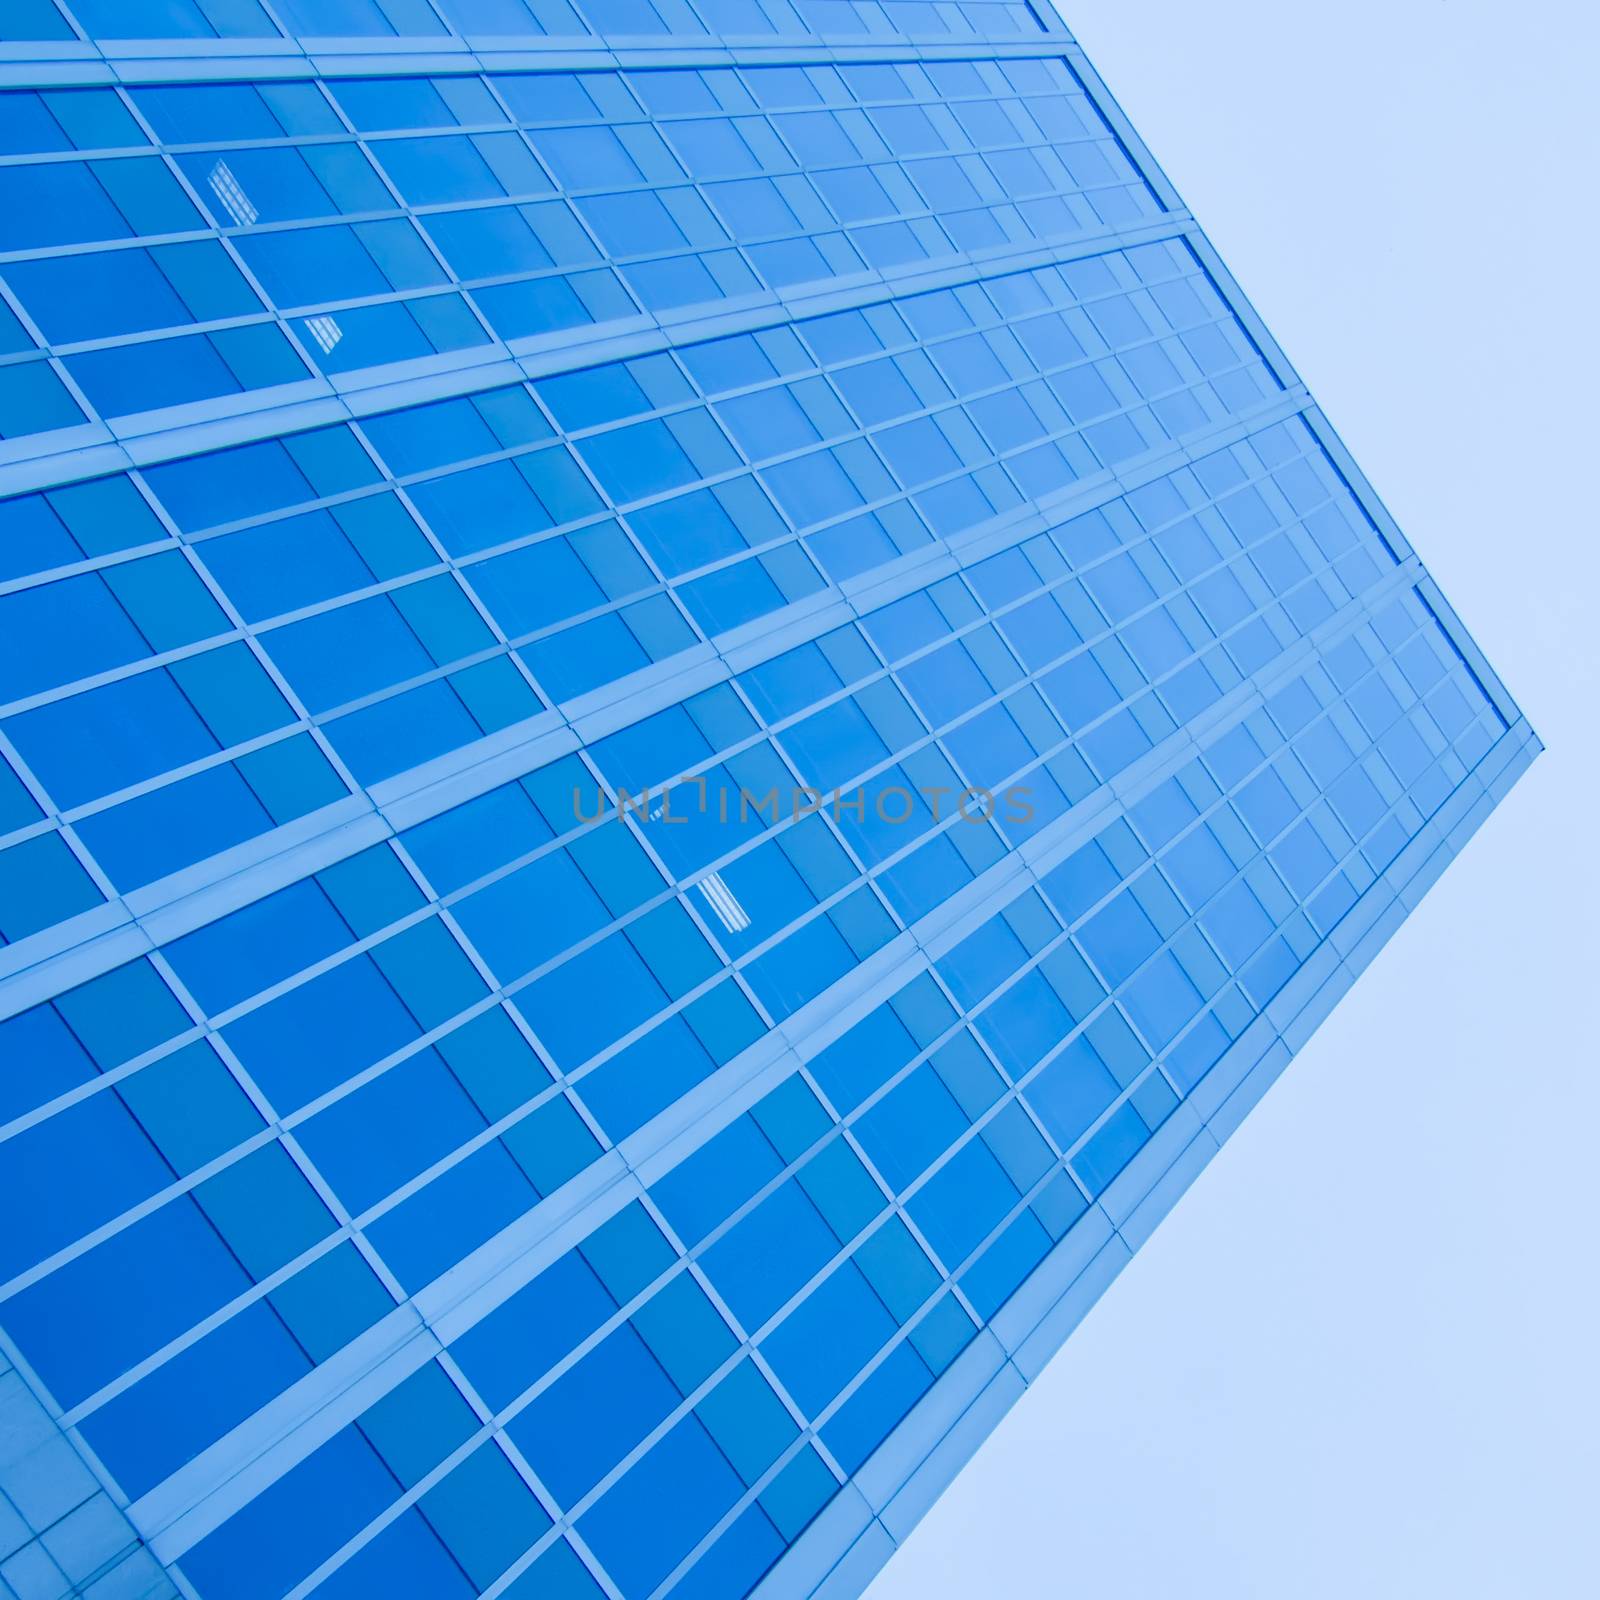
x=687, y=707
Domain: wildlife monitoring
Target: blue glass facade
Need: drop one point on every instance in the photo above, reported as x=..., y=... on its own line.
x=687, y=706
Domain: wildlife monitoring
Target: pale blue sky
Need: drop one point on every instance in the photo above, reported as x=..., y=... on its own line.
x=1359, y=1357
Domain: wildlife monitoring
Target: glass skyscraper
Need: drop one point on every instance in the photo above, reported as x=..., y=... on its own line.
x=687, y=707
